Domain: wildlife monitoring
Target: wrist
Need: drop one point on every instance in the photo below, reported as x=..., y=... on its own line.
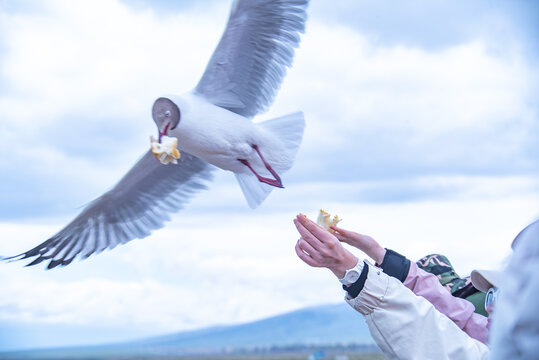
x=378, y=254
x=348, y=262
x=351, y=276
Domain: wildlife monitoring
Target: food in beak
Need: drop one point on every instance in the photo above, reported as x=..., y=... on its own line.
x=325, y=220
x=165, y=150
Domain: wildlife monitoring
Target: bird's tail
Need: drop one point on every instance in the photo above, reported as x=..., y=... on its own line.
x=289, y=129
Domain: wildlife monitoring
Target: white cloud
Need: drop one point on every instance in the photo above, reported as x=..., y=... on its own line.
x=349, y=85
x=98, y=61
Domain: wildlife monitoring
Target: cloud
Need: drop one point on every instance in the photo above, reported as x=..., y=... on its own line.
x=388, y=110
x=435, y=25
x=422, y=134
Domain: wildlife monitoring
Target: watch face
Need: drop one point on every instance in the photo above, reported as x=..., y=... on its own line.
x=352, y=276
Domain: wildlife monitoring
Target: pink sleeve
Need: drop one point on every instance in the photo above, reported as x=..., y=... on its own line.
x=459, y=310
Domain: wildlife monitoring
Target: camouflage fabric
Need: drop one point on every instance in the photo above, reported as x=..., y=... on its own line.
x=440, y=266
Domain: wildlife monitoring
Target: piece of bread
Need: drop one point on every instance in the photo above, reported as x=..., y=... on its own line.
x=325, y=220
x=165, y=151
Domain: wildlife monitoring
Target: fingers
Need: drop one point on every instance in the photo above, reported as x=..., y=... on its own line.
x=301, y=228
x=342, y=233
x=316, y=246
x=351, y=237
x=339, y=234
x=338, y=229
x=308, y=248
x=314, y=229
x=305, y=257
x=305, y=233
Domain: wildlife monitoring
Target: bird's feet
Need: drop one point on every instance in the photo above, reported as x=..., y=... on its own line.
x=273, y=182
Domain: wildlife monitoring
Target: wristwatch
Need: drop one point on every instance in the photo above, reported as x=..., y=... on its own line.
x=352, y=275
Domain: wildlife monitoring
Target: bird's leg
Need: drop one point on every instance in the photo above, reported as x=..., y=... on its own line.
x=268, y=166
x=273, y=182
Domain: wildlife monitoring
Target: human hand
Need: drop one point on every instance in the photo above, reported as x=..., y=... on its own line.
x=364, y=243
x=317, y=247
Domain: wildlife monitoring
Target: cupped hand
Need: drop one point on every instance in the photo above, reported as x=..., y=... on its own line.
x=317, y=247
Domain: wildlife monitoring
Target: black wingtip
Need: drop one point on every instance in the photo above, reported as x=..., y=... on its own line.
x=12, y=258
x=23, y=256
x=54, y=263
x=67, y=262
x=36, y=261
x=6, y=258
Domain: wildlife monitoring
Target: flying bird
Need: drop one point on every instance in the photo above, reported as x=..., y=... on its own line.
x=214, y=129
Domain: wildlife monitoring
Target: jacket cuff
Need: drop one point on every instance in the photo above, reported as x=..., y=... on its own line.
x=396, y=265
x=354, y=289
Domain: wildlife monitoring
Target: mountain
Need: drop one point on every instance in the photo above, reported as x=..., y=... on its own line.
x=327, y=325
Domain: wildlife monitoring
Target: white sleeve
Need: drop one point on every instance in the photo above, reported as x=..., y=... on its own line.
x=515, y=321
x=406, y=326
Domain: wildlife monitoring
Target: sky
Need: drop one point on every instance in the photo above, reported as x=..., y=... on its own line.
x=422, y=125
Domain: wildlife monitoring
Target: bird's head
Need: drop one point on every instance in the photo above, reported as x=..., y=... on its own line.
x=166, y=115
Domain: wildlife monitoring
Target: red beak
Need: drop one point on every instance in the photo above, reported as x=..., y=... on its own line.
x=164, y=133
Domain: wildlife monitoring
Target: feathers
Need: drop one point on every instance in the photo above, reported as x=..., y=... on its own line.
x=139, y=203
x=289, y=130
x=249, y=64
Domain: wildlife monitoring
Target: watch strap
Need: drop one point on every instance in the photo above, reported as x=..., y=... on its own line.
x=354, y=289
x=358, y=267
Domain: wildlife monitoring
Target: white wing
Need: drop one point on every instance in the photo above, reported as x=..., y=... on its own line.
x=138, y=204
x=250, y=61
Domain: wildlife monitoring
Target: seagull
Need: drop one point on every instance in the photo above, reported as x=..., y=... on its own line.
x=214, y=129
